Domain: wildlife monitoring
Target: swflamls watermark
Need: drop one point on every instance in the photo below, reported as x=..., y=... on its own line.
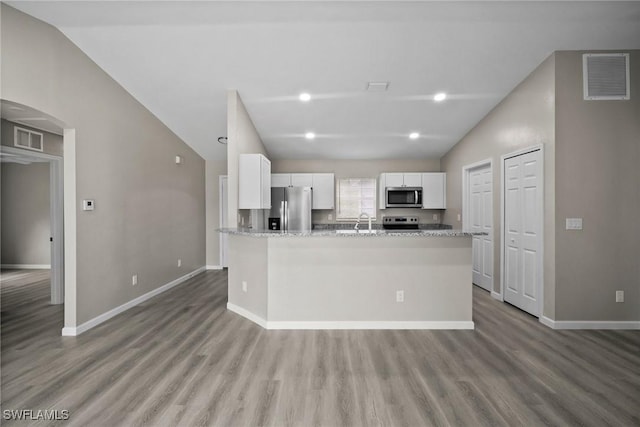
x=35, y=415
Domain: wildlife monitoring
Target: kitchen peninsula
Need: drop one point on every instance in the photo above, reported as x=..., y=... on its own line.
x=343, y=279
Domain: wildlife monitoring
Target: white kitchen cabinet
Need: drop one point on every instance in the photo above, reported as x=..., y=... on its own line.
x=254, y=182
x=292, y=180
x=412, y=180
x=434, y=190
x=323, y=185
x=324, y=188
x=280, y=179
x=397, y=179
x=393, y=179
x=302, y=179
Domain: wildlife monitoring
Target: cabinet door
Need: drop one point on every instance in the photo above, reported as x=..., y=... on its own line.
x=323, y=191
x=249, y=181
x=434, y=190
x=280, y=179
x=265, y=183
x=302, y=179
x=413, y=180
x=382, y=183
x=394, y=179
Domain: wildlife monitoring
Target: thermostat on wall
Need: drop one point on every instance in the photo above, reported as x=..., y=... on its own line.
x=88, y=205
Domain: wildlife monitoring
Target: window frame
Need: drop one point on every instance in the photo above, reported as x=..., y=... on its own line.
x=339, y=182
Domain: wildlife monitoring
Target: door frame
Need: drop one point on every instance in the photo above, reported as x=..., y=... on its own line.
x=222, y=206
x=466, y=205
x=540, y=284
x=56, y=217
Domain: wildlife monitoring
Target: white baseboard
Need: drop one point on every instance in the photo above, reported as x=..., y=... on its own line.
x=314, y=325
x=391, y=324
x=74, y=331
x=26, y=266
x=547, y=322
x=247, y=314
x=214, y=267
x=497, y=295
x=590, y=324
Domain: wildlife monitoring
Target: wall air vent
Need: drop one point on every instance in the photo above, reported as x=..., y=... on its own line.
x=606, y=76
x=25, y=138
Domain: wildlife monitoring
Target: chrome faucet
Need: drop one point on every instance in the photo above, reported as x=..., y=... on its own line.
x=360, y=217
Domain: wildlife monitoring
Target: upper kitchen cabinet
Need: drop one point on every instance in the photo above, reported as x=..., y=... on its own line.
x=392, y=179
x=323, y=185
x=280, y=180
x=324, y=188
x=434, y=187
x=254, y=182
x=292, y=180
x=302, y=180
x=413, y=179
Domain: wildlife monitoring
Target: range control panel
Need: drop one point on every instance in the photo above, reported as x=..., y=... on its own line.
x=400, y=222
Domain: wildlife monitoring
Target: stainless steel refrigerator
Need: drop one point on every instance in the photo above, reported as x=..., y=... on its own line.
x=291, y=208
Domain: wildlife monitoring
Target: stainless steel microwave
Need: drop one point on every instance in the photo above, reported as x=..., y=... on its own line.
x=403, y=197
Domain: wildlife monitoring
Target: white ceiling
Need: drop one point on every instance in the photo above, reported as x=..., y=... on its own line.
x=179, y=58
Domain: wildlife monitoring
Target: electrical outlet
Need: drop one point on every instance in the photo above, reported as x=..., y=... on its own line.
x=619, y=296
x=435, y=217
x=179, y=263
x=244, y=286
x=459, y=217
x=330, y=217
x=399, y=296
x=134, y=280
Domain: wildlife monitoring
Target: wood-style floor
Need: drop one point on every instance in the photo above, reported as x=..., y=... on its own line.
x=182, y=359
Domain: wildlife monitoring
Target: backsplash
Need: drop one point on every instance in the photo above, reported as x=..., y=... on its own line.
x=364, y=225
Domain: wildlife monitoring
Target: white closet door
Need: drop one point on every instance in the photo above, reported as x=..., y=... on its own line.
x=523, y=231
x=481, y=214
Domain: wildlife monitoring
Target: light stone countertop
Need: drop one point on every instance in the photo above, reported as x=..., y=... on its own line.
x=349, y=233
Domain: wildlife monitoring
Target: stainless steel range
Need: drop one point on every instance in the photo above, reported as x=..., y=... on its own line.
x=400, y=223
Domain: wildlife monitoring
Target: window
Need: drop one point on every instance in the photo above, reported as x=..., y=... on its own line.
x=356, y=195
x=28, y=139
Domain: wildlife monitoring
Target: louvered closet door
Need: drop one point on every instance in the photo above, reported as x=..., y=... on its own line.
x=522, y=231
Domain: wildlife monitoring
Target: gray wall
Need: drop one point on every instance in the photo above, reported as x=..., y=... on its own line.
x=362, y=169
x=597, y=179
x=592, y=153
x=243, y=138
x=52, y=143
x=26, y=225
x=149, y=210
x=524, y=118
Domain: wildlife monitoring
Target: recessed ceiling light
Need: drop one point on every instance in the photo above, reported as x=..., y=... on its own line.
x=414, y=135
x=309, y=135
x=440, y=96
x=305, y=97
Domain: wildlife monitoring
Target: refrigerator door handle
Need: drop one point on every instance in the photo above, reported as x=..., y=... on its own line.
x=286, y=216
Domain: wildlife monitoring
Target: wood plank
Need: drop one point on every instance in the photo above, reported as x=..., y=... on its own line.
x=182, y=359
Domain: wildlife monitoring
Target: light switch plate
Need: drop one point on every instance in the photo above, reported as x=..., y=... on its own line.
x=88, y=205
x=573, y=224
